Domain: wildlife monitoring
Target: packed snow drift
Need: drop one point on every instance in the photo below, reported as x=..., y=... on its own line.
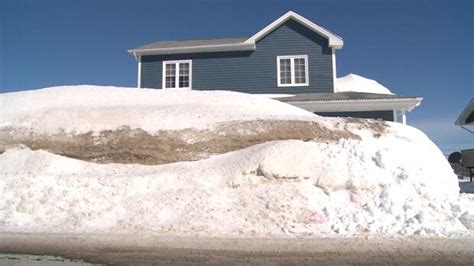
x=370, y=177
x=353, y=82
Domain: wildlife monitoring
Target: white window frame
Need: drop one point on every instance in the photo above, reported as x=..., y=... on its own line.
x=176, y=84
x=292, y=70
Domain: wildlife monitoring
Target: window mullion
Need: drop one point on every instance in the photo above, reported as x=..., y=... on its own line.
x=176, y=76
x=292, y=70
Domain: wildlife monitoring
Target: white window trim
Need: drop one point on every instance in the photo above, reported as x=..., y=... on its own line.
x=176, y=84
x=292, y=69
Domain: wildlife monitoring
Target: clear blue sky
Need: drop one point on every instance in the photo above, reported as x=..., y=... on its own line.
x=414, y=47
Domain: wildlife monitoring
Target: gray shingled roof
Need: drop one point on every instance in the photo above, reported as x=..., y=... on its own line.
x=231, y=44
x=343, y=96
x=191, y=43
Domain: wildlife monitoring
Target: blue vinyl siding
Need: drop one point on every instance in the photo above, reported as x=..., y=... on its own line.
x=386, y=115
x=253, y=71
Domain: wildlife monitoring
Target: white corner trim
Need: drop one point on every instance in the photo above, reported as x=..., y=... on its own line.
x=395, y=115
x=334, y=40
x=176, y=83
x=334, y=74
x=292, y=69
x=139, y=79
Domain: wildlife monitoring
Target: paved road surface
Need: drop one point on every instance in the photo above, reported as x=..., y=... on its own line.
x=146, y=249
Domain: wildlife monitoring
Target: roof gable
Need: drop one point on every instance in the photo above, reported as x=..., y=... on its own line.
x=233, y=44
x=333, y=40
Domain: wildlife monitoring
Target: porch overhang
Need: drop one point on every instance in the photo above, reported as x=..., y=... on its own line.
x=347, y=106
x=354, y=102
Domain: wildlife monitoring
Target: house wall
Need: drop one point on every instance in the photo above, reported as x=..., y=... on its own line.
x=386, y=115
x=253, y=71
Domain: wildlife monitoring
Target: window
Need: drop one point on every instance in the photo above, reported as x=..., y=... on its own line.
x=292, y=70
x=177, y=74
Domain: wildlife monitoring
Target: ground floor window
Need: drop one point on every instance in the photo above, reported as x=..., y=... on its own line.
x=292, y=70
x=177, y=74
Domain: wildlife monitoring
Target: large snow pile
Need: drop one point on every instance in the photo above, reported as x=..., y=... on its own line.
x=353, y=82
x=148, y=126
x=393, y=182
x=83, y=109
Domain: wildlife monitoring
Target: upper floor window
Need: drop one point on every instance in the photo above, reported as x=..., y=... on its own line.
x=177, y=74
x=292, y=70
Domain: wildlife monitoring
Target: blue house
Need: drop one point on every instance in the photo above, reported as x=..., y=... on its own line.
x=291, y=55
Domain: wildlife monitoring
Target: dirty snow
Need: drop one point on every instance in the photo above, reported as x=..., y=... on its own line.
x=353, y=82
x=276, y=188
x=395, y=184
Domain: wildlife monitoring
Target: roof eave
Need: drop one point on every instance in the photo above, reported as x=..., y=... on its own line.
x=407, y=104
x=193, y=49
x=461, y=121
x=336, y=44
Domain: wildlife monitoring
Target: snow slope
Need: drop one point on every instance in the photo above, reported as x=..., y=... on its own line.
x=398, y=183
x=81, y=109
x=353, y=82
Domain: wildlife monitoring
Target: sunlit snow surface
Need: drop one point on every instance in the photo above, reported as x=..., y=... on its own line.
x=353, y=82
x=395, y=184
x=80, y=109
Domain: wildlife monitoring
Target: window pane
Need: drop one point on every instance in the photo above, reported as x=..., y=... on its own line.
x=285, y=71
x=300, y=71
x=184, y=82
x=183, y=75
x=184, y=69
x=170, y=76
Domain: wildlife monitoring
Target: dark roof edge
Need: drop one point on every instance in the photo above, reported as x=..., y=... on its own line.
x=465, y=113
x=193, y=49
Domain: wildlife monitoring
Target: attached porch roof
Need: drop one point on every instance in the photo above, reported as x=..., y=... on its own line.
x=352, y=101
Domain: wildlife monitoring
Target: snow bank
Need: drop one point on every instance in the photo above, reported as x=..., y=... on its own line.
x=83, y=109
x=376, y=186
x=362, y=177
x=353, y=82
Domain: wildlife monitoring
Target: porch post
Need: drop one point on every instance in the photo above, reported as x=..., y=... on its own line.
x=395, y=116
x=139, y=79
x=404, y=117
